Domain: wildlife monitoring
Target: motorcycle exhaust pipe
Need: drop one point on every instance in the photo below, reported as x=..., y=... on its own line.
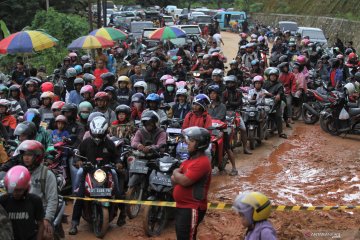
x=310, y=109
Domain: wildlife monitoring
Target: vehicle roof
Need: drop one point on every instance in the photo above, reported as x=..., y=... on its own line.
x=187, y=25
x=237, y=12
x=310, y=28
x=287, y=22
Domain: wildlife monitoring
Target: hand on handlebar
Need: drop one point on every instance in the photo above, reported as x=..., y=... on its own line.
x=79, y=164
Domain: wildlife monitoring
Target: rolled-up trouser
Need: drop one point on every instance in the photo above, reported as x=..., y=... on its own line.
x=289, y=105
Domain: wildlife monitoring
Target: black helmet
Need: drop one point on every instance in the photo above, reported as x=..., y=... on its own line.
x=138, y=97
x=70, y=107
x=33, y=115
x=79, y=81
x=26, y=128
x=14, y=87
x=109, y=77
x=200, y=135
x=150, y=116
x=214, y=88
x=123, y=109
x=110, y=89
x=282, y=65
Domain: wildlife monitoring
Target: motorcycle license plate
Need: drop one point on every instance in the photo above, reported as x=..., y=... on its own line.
x=173, y=130
x=100, y=192
x=138, y=167
x=160, y=179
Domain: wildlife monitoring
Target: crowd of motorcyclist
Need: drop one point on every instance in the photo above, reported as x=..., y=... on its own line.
x=86, y=102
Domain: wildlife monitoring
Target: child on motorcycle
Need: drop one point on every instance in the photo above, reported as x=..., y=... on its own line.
x=254, y=209
x=123, y=127
x=59, y=134
x=56, y=111
x=150, y=136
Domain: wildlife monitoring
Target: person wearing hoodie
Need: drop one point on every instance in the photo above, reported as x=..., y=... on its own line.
x=254, y=209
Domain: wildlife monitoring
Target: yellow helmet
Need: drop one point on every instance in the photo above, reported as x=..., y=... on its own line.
x=123, y=79
x=254, y=206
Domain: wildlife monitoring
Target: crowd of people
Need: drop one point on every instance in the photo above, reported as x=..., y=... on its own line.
x=86, y=102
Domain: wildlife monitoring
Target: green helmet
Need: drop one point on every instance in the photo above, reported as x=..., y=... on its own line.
x=4, y=89
x=86, y=105
x=268, y=70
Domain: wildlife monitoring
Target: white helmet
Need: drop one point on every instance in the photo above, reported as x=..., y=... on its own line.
x=98, y=128
x=141, y=84
x=350, y=88
x=181, y=91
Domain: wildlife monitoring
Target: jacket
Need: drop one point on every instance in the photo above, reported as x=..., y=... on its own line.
x=162, y=115
x=180, y=111
x=217, y=110
x=232, y=99
x=143, y=137
x=262, y=231
x=202, y=120
x=109, y=114
x=288, y=81
x=76, y=131
x=45, y=139
x=50, y=195
x=75, y=97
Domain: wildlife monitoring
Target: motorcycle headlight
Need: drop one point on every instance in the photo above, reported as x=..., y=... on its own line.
x=252, y=114
x=100, y=176
x=165, y=166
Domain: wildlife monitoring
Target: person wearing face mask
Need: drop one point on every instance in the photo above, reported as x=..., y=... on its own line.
x=85, y=108
x=169, y=94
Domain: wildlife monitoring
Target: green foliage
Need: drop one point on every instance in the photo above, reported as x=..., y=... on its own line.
x=256, y=7
x=64, y=27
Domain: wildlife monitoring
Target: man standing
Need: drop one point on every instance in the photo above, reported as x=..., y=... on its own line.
x=20, y=74
x=192, y=181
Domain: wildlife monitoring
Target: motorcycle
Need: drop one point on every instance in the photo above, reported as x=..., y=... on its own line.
x=219, y=157
x=99, y=183
x=139, y=171
x=233, y=120
x=255, y=126
x=161, y=187
x=174, y=135
x=342, y=118
x=270, y=109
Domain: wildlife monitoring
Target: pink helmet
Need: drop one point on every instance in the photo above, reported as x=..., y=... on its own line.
x=169, y=81
x=261, y=38
x=165, y=77
x=301, y=59
x=258, y=78
x=340, y=56
x=306, y=41
x=215, y=54
x=180, y=84
x=17, y=177
x=72, y=54
x=243, y=35
x=87, y=89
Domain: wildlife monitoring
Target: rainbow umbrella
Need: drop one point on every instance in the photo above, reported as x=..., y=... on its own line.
x=109, y=33
x=90, y=42
x=26, y=42
x=167, y=33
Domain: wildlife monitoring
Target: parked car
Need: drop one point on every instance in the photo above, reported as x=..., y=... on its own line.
x=202, y=20
x=190, y=29
x=168, y=20
x=315, y=34
x=288, y=26
x=137, y=28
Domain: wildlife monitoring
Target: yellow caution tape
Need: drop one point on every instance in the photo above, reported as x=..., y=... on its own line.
x=220, y=205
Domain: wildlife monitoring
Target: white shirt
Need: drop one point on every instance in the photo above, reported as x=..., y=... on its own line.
x=260, y=95
x=217, y=38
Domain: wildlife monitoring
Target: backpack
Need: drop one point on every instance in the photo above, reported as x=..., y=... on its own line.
x=43, y=176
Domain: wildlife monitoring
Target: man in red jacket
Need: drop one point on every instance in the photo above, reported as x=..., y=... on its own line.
x=198, y=116
x=288, y=80
x=192, y=181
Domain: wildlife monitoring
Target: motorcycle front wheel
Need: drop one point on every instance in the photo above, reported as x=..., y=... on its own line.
x=308, y=117
x=154, y=220
x=100, y=220
x=134, y=193
x=252, y=140
x=331, y=127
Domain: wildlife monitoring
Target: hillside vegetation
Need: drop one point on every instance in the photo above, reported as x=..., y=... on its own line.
x=348, y=9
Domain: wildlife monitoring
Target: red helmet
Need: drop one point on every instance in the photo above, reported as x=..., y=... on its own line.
x=101, y=95
x=47, y=87
x=87, y=89
x=215, y=54
x=17, y=177
x=352, y=56
x=57, y=105
x=34, y=147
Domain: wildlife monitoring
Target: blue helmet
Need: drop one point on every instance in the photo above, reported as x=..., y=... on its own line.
x=202, y=100
x=214, y=88
x=153, y=97
x=255, y=62
x=78, y=69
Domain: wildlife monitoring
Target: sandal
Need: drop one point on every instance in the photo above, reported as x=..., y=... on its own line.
x=234, y=172
x=283, y=135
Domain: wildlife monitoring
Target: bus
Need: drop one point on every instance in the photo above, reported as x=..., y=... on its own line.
x=225, y=18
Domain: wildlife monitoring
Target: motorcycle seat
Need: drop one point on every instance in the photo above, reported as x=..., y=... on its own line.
x=354, y=111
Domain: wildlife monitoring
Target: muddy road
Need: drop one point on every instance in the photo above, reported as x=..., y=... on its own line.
x=310, y=168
